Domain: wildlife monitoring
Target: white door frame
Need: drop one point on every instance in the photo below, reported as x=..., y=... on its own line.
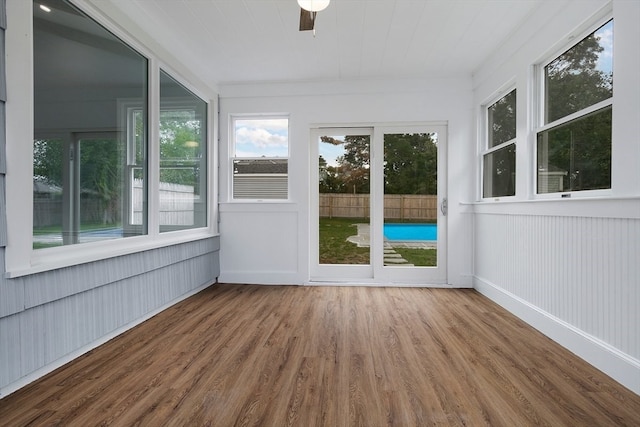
x=399, y=274
x=376, y=274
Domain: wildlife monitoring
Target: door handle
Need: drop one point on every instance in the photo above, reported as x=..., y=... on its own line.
x=443, y=206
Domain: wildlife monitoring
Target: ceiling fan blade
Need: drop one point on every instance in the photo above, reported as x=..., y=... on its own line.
x=307, y=20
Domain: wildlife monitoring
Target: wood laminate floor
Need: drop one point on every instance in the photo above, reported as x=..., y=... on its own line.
x=326, y=356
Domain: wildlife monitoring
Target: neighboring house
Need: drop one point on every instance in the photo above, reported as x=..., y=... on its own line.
x=257, y=178
x=563, y=259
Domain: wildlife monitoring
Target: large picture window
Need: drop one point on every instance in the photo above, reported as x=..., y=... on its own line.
x=260, y=161
x=84, y=174
x=574, y=139
x=499, y=157
x=183, y=154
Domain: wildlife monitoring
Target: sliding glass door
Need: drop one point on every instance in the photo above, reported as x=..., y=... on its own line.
x=379, y=205
x=342, y=191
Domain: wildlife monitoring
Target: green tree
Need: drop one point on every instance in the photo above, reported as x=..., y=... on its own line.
x=180, y=147
x=573, y=81
x=101, y=166
x=502, y=120
x=411, y=164
x=330, y=178
x=47, y=161
x=582, y=147
x=352, y=173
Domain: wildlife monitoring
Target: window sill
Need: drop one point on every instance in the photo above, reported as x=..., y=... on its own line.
x=44, y=260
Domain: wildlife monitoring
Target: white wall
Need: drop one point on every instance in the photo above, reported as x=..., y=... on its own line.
x=569, y=267
x=269, y=242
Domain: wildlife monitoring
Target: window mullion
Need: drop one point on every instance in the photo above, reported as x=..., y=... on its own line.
x=498, y=147
x=153, y=149
x=577, y=115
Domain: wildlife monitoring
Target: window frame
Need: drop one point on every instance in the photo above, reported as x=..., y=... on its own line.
x=485, y=149
x=539, y=115
x=233, y=158
x=183, y=103
x=20, y=257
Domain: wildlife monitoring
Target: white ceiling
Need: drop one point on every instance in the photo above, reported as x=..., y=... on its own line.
x=233, y=41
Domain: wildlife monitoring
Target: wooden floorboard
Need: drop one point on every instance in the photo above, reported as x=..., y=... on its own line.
x=327, y=356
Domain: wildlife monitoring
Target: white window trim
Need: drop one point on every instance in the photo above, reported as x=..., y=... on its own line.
x=601, y=18
x=233, y=158
x=484, y=140
x=20, y=258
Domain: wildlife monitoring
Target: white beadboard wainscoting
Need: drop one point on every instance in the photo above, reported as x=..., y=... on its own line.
x=574, y=277
x=48, y=319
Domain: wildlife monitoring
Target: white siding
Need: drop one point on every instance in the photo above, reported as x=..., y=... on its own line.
x=260, y=186
x=49, y=317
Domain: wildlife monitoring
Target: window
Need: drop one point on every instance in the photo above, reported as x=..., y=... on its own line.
x=499, y=158
x=574, y=140
x=183, y=148
x=260, y=160
x=87, y=168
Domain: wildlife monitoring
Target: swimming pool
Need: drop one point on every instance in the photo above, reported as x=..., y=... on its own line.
x=411, y=232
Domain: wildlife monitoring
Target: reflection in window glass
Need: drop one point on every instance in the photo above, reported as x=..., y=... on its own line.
x=500, y=172
x=183, y=148
x=580, y=77
x=502, y=120
x=576, y=155
x=83, y=75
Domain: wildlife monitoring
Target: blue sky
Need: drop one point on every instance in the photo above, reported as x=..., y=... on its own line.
x=605, y=34
x=262, y=137
x=330, y=152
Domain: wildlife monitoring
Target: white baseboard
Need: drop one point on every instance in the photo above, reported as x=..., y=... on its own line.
x=613, y=362
x=261, y=277
x=33, y=376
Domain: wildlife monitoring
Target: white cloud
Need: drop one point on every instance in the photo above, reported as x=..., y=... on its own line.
x=275, y=125
x=605, y=38
x=261, y=137
x=330, y=153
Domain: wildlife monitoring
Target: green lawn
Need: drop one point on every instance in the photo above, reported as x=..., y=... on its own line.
x=57, y=230
x=335, y=249
x=419, y=257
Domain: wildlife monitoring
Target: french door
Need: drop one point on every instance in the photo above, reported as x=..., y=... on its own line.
x=379, y=205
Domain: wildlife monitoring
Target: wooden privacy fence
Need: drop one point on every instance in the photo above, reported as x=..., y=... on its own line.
x=396, y=206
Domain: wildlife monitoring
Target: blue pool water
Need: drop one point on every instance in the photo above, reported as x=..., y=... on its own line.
x=411, y=232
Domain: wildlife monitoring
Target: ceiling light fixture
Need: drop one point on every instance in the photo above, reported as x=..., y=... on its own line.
x=314, y=5
x=45, y=8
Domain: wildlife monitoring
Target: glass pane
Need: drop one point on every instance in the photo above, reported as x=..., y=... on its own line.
x=344, y=199
x=500, y=172
x=410, y=199
x=99, y=213
x=260, y=179
x=183, y=158
x=48, y=158
x=576, y=155
x=263, y=137
x=86, y=80
x=580, y=77
x=260, y=166
x=501, y=118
